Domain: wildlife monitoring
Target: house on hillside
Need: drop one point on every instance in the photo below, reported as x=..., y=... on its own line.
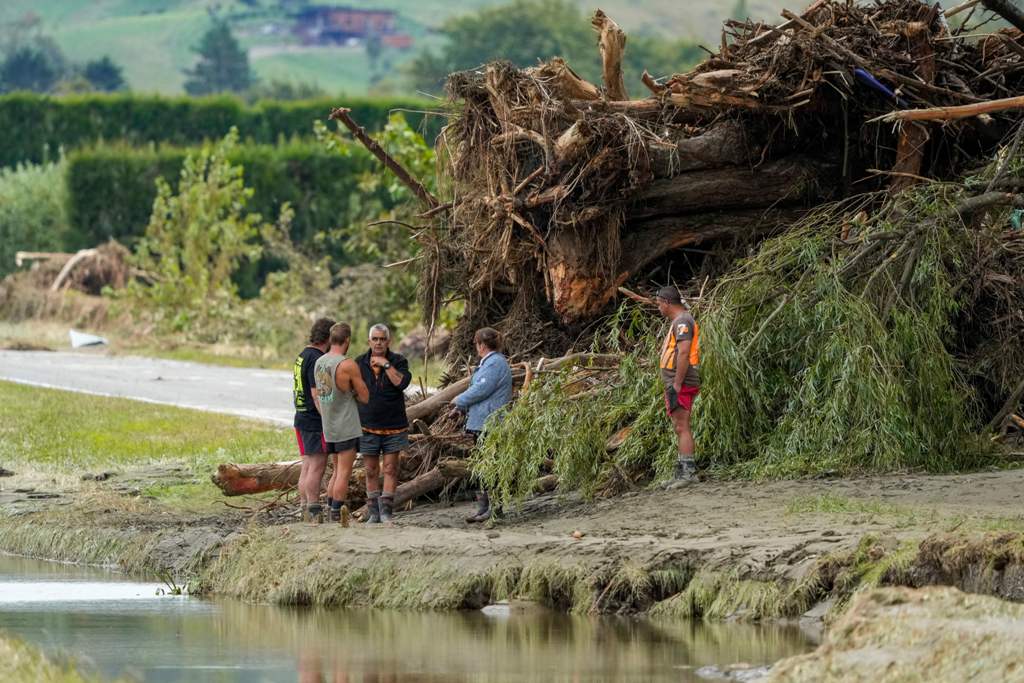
x=323, y=25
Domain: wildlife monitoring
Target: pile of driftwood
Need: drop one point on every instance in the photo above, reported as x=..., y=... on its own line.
x=88, y=270
x=564, y=190
x=436, y=463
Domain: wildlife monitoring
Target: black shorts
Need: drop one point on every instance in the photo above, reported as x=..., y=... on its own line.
x=342, y=446
x=310, y=443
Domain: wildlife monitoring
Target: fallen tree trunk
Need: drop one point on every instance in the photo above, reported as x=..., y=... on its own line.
x=249, y=478
x=242, y=479
x=438, y=477
x=429, y=407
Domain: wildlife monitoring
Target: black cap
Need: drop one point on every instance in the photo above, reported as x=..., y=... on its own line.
x=670, y=294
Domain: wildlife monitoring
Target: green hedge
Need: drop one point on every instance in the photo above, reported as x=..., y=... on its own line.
x=111, y=187
x=36, y=126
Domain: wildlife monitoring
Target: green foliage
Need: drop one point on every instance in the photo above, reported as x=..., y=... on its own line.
x=548, y=422
x=838, y=376
x=196, y=240
x=35, y=126
x=223, y=65
x=27, y=68
x=104, y=74
x=33, y=216
x=111, y=188
x=376, y=234
x=525, y=31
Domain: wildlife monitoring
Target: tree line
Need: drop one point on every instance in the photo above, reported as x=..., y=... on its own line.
x=521, y=32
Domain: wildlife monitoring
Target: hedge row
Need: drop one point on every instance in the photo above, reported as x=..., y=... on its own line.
x=37, y=126
x=111, y=187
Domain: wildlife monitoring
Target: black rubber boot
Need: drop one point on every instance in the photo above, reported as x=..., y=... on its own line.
x=316, y=513
x=483, y=508
x=387, y=509
x=373, y=508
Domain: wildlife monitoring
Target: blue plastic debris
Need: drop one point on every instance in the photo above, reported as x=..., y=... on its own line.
x=866, y=78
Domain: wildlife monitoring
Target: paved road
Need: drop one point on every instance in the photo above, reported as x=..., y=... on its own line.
x=260, y=394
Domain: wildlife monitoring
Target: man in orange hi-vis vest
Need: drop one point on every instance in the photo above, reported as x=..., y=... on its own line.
x=680, y=370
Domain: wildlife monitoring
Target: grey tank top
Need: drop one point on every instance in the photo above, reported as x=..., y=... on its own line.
x=338, y=408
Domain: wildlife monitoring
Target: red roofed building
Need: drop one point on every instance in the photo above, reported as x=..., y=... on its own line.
x=339, y=25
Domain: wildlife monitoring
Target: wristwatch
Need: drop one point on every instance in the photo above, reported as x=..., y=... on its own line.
x=386, y=365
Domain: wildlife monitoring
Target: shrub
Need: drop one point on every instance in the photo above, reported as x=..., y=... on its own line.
x=195, y=241
x=32, y=210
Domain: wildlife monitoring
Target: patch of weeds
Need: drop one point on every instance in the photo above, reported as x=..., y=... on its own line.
x=829, y=503
x=874, y=563
x=194, y=497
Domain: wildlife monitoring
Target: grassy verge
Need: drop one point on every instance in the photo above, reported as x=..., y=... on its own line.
x=65, y=430
x=21, y=663
x=52, y=432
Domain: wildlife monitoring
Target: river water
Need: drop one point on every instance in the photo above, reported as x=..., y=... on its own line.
x=117, y=627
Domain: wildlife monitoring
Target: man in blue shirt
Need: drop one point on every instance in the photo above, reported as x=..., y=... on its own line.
x=490, y=388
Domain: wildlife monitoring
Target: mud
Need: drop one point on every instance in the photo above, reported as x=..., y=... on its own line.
x=718, y=550
x=932, y=634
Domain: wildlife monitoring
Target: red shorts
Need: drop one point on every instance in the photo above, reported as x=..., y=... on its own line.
x=684, y=399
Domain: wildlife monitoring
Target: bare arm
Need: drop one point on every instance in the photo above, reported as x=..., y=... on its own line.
x=354, y=380
x=398, y=374
x=394, y=375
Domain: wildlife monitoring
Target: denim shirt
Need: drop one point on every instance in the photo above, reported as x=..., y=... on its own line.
x=490, y=388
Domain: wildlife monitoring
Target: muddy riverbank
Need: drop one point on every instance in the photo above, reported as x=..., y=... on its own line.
x=720, y=550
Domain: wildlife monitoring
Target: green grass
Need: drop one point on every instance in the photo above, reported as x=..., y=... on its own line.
x=902, y=516
x=832, y=503
x=65, y=431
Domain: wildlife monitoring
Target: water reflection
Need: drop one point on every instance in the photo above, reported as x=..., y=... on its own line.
x=165, y=640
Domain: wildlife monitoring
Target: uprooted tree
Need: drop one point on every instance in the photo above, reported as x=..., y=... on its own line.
x=562, y=191
x=840, y=189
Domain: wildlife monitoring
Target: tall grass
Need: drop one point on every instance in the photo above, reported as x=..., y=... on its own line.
x=815, y=360
x=807, y=370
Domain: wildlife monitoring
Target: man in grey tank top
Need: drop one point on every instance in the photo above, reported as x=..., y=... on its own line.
x=339, y=385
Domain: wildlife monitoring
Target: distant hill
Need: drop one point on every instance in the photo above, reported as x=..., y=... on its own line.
x=151, y=39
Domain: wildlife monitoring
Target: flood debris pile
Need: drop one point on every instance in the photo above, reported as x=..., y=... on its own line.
x=563, y=190
x=437, y=465
x=856, y=171
x=39, y=290
x=853, y=176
